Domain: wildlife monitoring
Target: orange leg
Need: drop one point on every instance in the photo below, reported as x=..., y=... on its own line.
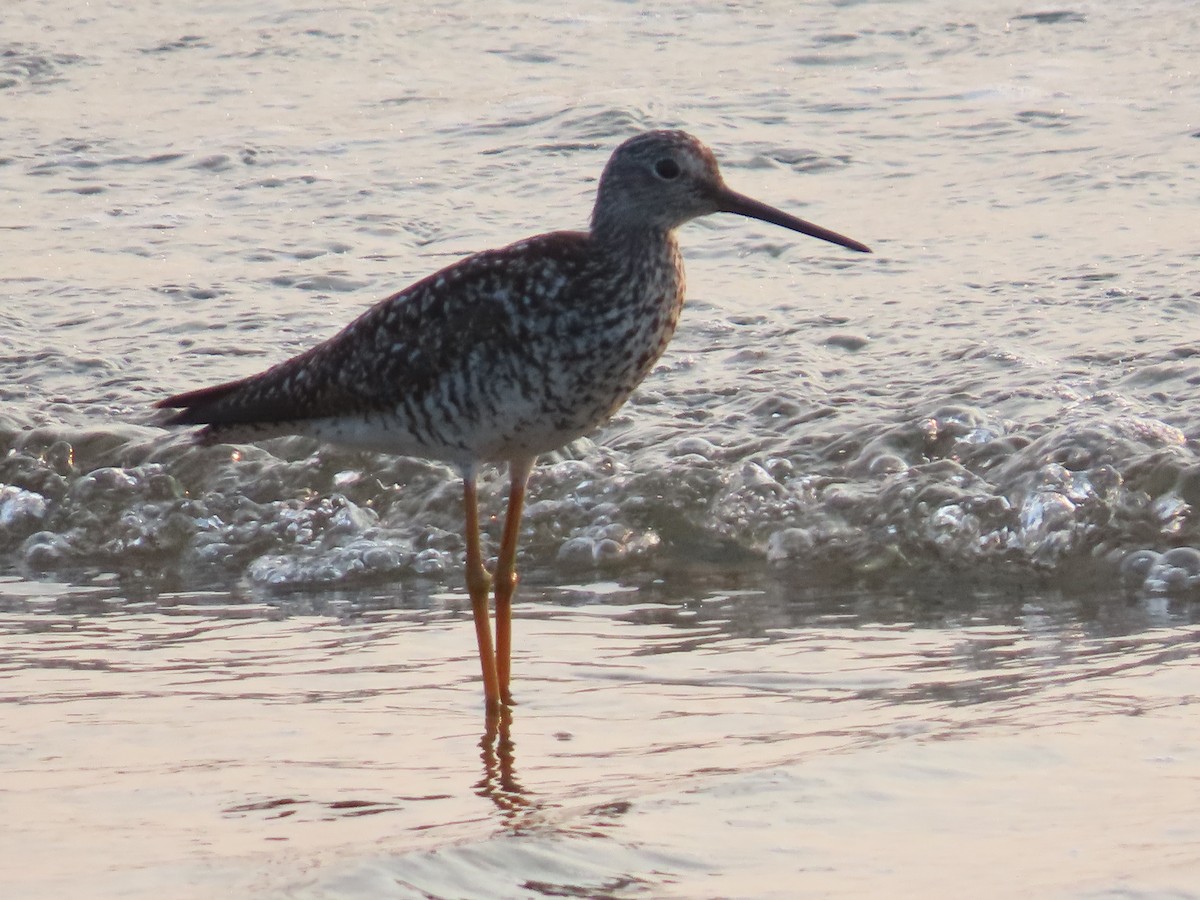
x=478, y=585
x=506, y=573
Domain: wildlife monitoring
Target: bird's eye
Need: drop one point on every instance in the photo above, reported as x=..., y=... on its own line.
x=667, y=169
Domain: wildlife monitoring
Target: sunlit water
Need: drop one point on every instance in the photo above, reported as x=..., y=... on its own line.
x=884, y=583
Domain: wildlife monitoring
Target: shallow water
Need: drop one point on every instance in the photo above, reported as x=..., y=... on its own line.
x=893, y=556
x=749, y=741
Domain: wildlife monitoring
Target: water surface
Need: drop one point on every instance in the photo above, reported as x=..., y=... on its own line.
x=884, y=583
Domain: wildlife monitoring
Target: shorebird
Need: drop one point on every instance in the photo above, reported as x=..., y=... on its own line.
x=504, y=355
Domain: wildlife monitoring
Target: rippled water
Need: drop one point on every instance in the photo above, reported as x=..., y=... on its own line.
x=887, y=576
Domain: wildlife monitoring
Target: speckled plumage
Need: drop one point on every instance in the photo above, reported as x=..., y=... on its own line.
x=510, y=352
x=504, y=355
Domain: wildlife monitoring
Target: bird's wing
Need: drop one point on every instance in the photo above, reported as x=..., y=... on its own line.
x=400, y=346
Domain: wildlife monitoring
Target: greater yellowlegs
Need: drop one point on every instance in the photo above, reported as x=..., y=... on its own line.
x=503, y=355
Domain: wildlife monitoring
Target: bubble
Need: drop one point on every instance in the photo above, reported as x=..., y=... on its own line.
x=21, y=511
x=886, y=464
x=695, y=446
x=600, y=545
x=789, y=543
x=1182, y=558
x=431, y=562
x=45, y=551
x=576, y=552
x=1136, y=566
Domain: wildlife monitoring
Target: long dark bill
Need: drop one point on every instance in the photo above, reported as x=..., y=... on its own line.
x=733, y=202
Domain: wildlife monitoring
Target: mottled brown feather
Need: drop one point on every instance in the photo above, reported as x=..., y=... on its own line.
x=389, y=352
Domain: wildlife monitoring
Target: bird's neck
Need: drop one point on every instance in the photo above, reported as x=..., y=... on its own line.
x=623, y=243
x=643, y=266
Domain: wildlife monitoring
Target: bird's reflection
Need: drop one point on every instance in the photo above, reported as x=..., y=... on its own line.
x=499, y=782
